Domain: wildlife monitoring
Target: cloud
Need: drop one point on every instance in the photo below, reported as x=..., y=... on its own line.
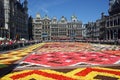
x=45, y=5
x=44, y=10
x=53, y=3
x=30, y=11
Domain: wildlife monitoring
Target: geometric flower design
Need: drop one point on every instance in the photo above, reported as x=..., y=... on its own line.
x=10, y=57
x=58, y=59
x=56, y=54
x=63, y=47
x=114, y=52
x=62, y=55
x=90, y=73
x=29, y=75
x=94, y=73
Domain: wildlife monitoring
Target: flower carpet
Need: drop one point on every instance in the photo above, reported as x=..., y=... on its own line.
x=57, y=59
x=63, y=47
x=114, y=52
x=94, y=73
x=12, y=56
x=9, y=58
x=70, y=54
x=63, y=61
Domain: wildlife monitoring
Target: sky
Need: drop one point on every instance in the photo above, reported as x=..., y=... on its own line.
x=85, y=10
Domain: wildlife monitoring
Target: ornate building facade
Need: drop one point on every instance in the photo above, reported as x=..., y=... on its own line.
x=30, y=28
x=54, y=30
x=75, y=29
x=93, y=30
x=46, y=28
x=2, y=18
x=15, y=19
x=111, y=23
x=37, y=27
x=108, y=27
x=62, y=28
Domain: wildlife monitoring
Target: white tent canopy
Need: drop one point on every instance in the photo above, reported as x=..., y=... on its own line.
x=1, y=39
x=23, y=39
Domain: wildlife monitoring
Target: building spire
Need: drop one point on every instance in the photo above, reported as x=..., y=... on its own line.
x=25, y=5
x=74, y=18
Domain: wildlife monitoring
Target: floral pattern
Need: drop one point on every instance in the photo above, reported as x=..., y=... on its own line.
x=57, y=54
x=76, y=74
x=63, y=54
x=57, y=59
x=13, y=56
x=114, y=52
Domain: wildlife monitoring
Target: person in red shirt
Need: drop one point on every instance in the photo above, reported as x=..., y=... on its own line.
x=0, y=42
x=10, y=42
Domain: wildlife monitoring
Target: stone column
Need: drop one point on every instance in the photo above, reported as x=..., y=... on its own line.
x=113, y=34
x=117, y=33
x=109, y=35
x=106, y=35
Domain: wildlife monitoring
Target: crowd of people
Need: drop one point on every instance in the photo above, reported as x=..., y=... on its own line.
x=13, y=44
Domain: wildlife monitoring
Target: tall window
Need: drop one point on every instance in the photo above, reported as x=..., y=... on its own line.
x=118, y=21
